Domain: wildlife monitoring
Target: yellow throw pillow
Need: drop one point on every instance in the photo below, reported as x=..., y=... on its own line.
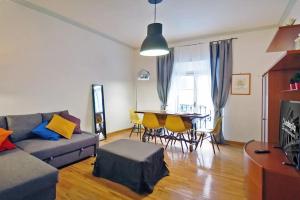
x=62, y=126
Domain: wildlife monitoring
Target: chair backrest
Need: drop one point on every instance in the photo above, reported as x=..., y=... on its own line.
x=175, y=124
x=98, y=118
x=218, y=126
x=133, y=116
x=150, y=121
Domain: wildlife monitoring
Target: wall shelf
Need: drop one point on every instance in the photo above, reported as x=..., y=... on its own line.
x=284, y=39
x=287, y=91
x=289, y=61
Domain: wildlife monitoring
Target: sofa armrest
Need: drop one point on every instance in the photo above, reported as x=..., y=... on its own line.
x=86, y=132
x=93, y=134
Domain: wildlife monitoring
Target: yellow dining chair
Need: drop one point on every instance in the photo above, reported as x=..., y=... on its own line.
x=137, y=123
x=212, y=133
x=176, y=125
x=152, y=126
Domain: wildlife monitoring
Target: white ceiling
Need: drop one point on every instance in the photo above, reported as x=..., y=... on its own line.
x=126, y=20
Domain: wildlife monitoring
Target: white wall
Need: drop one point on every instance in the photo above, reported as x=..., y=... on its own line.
x=242, y=119
x=49, y=65
x=295, y=13
x=147, y=98
x=242, y=115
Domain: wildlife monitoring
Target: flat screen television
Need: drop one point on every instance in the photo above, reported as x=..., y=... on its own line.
x=289, y=131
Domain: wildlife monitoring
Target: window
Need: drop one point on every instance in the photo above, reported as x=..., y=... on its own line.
x=190, y=88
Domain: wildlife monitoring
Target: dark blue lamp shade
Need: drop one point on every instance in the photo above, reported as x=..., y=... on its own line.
x=155, y=44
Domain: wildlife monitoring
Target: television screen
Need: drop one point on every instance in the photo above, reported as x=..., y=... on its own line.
x=289, y=131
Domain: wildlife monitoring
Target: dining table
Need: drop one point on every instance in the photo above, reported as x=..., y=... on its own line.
x=188, y=118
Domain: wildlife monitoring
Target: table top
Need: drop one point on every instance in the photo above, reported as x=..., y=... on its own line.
x=182, y=114
x=271, y=161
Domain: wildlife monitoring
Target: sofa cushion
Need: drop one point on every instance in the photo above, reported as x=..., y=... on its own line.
x=22, y=174
x=44, y=149
x=3, y=123
x=21, y=125
x=48, y=116
x=73, y=119
x=4, y=134
x=7, y=145
x=45, y=133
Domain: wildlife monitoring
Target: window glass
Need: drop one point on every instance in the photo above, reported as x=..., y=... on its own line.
x=191, y=88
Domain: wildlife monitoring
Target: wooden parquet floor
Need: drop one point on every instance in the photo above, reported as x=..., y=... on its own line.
x=196, y=175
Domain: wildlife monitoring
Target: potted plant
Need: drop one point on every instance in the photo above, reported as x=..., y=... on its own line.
x=297, y=80
x=292, y=84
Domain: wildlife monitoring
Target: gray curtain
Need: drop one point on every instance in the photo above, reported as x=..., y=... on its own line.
x=164, y=73
x=221, y=73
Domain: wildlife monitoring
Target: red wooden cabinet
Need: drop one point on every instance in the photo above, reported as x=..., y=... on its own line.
x=266, y=177
x=276, y=80
x=284, y=39
x=277, y=89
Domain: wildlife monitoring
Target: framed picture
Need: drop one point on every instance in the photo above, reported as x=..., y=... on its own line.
x=241, y=84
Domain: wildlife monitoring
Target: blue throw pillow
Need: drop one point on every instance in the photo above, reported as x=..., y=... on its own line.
x=45, y=133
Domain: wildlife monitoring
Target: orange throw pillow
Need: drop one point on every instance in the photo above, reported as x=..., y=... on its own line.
x=3, y=135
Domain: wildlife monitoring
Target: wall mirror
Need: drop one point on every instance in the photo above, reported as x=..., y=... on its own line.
x=99, y=110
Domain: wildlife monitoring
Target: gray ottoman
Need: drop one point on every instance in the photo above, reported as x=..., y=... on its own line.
x=134, y=164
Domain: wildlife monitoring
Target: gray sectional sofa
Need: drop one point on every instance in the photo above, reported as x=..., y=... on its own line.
x=29, y=171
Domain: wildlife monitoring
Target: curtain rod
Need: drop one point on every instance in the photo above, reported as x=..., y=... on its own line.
x=187, y=45
x=235, y=38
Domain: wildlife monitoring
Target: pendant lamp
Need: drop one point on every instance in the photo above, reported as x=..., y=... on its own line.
x=155, y=44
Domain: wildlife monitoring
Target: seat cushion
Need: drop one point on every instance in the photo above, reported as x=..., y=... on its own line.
x=48, y=116
x=21, y=125
x=3, y=123
x=44, y=149
x=22, y=174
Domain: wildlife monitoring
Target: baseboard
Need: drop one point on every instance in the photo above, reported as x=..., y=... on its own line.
x=126, y=130
x=118, y=132
x=235, y=142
